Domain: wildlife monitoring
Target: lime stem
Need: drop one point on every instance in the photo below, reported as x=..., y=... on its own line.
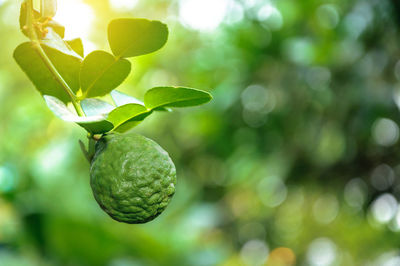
x=47, y=61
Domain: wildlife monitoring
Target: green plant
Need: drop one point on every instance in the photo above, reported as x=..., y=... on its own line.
x=62, y=74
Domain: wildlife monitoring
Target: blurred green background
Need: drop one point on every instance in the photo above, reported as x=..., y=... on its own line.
x=294, y=162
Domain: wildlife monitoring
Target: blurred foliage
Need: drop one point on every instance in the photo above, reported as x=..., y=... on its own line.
x=295, y=162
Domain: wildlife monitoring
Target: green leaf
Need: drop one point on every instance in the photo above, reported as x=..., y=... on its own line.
x=101, y=72
x=76, y=45
x=92, y=107
x=32, y=64
x=48, y=8
x=57, y=27
x=96, y=126
x=129, y=114
x=175, y=97
x=93, y=124
x=53, y=40
x=121, y=98
x=134, y=37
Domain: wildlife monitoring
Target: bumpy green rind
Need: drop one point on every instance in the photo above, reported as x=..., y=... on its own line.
x=133, y=179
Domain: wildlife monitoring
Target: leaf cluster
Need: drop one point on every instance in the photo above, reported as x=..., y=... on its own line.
x=96, y=75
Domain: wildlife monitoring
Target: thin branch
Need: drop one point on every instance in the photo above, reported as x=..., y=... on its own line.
x=47, y=61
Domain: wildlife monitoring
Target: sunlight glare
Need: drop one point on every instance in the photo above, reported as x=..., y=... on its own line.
x=204, y=15
x=123, y=4
x=77, y=17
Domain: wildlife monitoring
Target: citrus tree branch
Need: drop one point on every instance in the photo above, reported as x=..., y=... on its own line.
x=36, y=45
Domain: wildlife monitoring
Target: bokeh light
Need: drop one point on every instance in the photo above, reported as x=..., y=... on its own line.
x=204, y=15
x=326, y=208
x=7, y=179
x=254, y=252
x=355, y=193
x=270, y=16
x=384, y=208
x=281, y=257
x=385, y=132
x=328, y=16
x=322, y=252
x=123, y=5
x=382, y=177
x=272, y=191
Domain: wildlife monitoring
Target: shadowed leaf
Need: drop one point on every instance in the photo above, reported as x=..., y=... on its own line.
x=93, y=124
x=93, y=107
x=127, y=114
x=121, y=98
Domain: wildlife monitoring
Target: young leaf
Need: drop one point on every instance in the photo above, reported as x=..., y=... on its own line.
x=175, y=97
x=126, y=114
x=121, y=98
x=134, y=37
x=92, y=107
x=94, y=124
x=53, y=40
x=57, y=27
x=76, y=45
x=54, y=25
x=35, y=4
x=22, y=18
x=32, y=64
x=101, y=72
x=48, y=8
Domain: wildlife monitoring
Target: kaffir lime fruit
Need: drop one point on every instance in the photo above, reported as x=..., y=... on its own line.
x=133, y=179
